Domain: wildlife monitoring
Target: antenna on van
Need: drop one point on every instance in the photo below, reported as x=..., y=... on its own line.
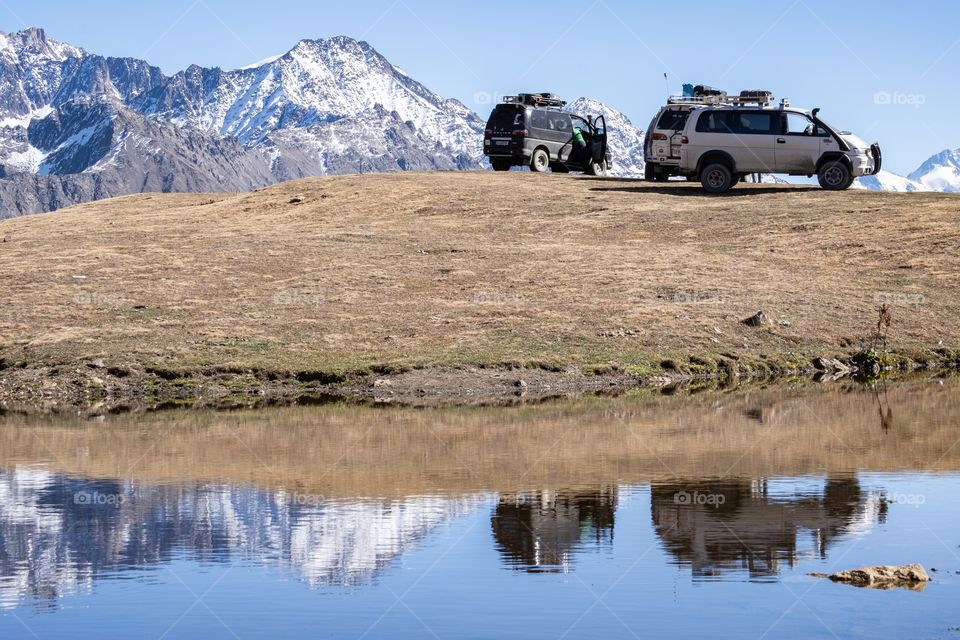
x=666, y=81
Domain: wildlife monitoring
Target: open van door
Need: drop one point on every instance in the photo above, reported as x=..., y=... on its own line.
x=598, y=147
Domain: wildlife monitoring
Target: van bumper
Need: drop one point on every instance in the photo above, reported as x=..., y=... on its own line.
x=863, y=163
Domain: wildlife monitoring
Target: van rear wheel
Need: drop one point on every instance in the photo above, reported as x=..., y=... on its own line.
x=835, y=176
x=716, y=178
x=540, y=161
x=500, y=165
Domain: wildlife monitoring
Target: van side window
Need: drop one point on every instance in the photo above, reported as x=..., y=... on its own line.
x=756, y=122
x=673, y=119
x=539, y=119
x=797, y=125
x=716, y=122
x=560, y=122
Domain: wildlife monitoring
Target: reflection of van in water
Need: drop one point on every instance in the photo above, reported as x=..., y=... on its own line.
x=531, y=130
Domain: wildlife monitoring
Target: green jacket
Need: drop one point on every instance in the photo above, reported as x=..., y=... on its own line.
x=578, y=138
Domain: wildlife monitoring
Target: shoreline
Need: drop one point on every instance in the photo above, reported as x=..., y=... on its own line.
x=98, y=388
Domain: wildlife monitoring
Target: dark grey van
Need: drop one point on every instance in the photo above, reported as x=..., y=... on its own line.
x=532, y=130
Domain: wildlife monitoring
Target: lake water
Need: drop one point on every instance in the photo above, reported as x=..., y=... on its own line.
x=686, y=513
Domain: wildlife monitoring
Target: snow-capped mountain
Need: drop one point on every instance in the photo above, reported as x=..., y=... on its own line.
x=624, y=139
x=940, y=173
x=886, y=181
x=75, y=126
x=316, y=84
x=120, y=525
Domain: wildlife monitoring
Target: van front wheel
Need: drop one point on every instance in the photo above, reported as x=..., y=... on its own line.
x=835, y=176
x=716, y=178
x=597, y=169
x=540, y=161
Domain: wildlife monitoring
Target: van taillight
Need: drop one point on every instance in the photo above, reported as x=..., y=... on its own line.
x=522, y=133
x=659, y=136
x=488, y=132
x=684, y=140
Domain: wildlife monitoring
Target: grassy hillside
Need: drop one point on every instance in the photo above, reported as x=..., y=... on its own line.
x=391, y=271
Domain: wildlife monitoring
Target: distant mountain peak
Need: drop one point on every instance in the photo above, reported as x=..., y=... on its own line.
x=326, y=106
x=941, y=172
x=32, y=43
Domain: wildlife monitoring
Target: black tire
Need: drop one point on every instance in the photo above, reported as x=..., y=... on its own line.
x=835, y=176
x=736, y=180
x=540, y=161
x=716, y=178
x=500, y=165
x=598, y=169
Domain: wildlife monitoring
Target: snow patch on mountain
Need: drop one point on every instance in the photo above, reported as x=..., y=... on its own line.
x=940, y=172
x=257, y=65
x=887, y=181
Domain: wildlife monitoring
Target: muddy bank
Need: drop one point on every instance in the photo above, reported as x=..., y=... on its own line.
x=97, y=387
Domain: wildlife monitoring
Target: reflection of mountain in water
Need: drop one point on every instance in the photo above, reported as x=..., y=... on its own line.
x=756, y=526
x=539, y=531
x=53, y=543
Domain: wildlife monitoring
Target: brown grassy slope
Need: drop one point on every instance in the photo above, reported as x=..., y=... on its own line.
x=447, y=268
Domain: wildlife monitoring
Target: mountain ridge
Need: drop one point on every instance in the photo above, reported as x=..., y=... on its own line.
x=76, y=125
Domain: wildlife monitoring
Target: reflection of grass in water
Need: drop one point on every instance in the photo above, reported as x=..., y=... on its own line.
x=342, y=450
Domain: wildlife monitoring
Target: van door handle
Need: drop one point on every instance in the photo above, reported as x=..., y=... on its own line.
x=781, y=141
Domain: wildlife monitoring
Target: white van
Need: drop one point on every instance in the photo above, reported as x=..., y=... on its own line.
x=718, y=140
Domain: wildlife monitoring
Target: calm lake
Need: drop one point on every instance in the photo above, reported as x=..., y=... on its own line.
x=683, y=513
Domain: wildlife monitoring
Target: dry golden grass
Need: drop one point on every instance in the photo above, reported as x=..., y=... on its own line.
x=344, y=451
x=450, y=268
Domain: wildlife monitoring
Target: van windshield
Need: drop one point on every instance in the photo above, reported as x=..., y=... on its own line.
x=506, y=119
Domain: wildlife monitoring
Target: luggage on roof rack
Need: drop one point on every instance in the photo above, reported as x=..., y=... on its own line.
x=703, y=91
x=536, y=100
x=702, y=94
x=760, y=96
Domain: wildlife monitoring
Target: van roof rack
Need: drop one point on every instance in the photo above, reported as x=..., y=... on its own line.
x=536, y=100
x=760, y=97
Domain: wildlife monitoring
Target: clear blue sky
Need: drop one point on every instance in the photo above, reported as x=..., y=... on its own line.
x=835, y=55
